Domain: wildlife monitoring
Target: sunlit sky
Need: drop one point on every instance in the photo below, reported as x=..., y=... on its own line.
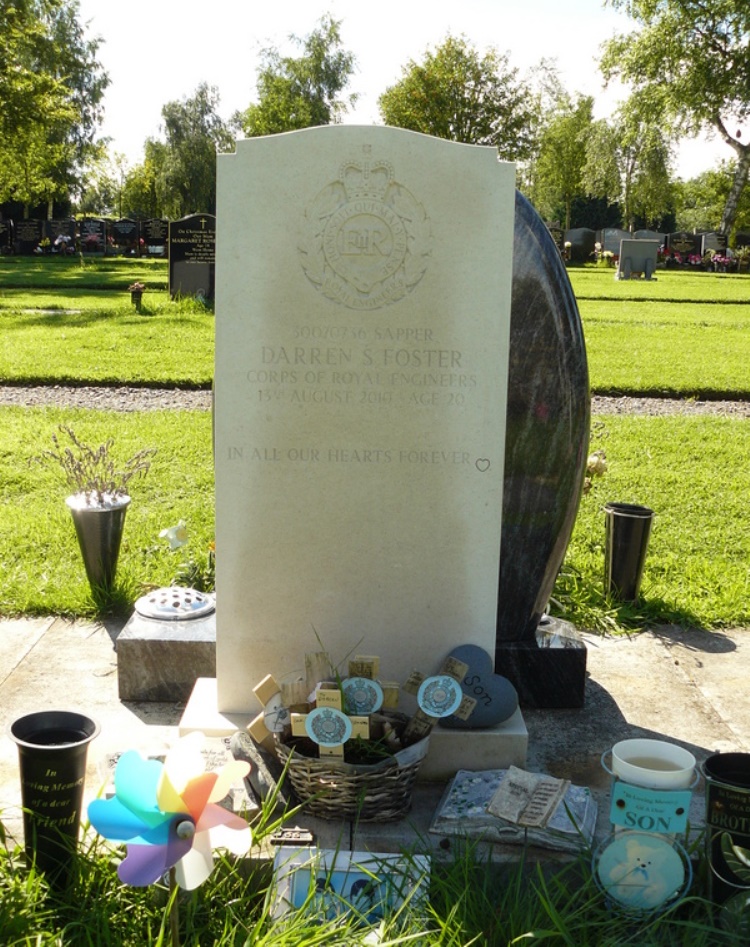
x=157, y=51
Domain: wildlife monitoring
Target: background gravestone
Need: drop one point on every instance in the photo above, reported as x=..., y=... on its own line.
x=28, y=236
x=684, y=243
x=126, y=234
x=6, y=236
x=192, y=256
x=649, y=235
x=713, y=241
x=611, y=237
x=361, y=385
x=582, y=241
x=61, y=235
x=155, y=233
x=92, y=232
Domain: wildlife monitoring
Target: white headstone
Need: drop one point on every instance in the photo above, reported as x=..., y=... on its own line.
x=363, y=280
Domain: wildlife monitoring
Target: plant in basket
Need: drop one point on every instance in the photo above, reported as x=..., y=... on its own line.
x=348, y=749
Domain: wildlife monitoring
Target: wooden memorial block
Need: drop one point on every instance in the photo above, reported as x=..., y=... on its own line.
x=363, y=665
x=328, y=694
x=317, y=668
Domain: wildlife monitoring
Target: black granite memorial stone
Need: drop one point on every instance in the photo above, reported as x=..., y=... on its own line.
x=547, y=433
x=649, y=235
x=581, y=240
x=6, y=236
x=28, y=236
x=742, y=239
x=713, y=241
x=192, y=256
x=686, y=244
x=61, y=235
x=93, y=235
x=126, y=236
x=154, y=233
x=558, y=235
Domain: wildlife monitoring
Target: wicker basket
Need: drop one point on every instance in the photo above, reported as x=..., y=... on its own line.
x=334, y=790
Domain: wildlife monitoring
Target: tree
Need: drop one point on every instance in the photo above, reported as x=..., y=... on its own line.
x=301, y=92
x=185, y=164
x=51, y=87
x=701, y=201
x=557, y=175
x=690, y=63
x=457, y=94
x=627, y=160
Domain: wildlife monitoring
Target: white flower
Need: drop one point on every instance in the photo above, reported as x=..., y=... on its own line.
x=175, y=535
x=596, y=465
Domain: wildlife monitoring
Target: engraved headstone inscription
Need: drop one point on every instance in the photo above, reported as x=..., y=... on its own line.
x=28, y=236
x=126, y=235
x=92, y=233
x=192, y=256
x=155, y=232
x=363, y=318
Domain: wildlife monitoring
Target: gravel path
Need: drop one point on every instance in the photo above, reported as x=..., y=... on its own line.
x=154, y=399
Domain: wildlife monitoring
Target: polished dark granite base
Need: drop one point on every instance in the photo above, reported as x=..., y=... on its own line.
x=549, y=671
x=161, y=660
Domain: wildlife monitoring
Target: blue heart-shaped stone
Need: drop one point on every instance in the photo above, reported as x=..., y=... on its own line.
x=496, y=697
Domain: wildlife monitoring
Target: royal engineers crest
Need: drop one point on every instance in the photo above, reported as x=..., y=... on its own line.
x=366, y=239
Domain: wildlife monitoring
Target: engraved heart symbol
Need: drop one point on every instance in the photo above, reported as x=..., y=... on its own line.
x=496, y=697
x=482, y=464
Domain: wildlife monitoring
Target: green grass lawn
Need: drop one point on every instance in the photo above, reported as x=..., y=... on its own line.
x=689, y=469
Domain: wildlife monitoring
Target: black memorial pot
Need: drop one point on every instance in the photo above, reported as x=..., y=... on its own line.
x=547, y=439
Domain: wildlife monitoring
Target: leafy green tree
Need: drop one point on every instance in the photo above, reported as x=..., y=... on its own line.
x=184, y=165
x=457, y=94
x=557, y=173
x=700, y=201
x=628, y=161
x=51, y=88
x=305, y=91
x=690, y=63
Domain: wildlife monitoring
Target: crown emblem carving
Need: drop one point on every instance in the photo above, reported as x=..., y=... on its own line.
x=366, y=178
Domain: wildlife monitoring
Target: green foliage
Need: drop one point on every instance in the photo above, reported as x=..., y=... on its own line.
x=627, y=161
x=700, y=201
x=184, y=165
x=690, y=62
x=558, y=170
x=303, y=91
x=51, y=87
x=457, y=94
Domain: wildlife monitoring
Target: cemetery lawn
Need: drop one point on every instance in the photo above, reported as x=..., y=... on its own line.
x=470, y=902
x=689, y=468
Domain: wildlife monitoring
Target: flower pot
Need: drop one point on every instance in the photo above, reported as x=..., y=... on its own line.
x=136, y=297
x=727, y=778
x=52, y=748
x=628, y=528
x=99, y=530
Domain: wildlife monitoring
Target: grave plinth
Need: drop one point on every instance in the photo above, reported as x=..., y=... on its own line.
x=168, y=643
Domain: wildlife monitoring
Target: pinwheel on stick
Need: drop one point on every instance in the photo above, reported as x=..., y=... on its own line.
x=166, y=813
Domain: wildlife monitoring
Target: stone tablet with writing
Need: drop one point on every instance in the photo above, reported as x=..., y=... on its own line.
x=363, y=280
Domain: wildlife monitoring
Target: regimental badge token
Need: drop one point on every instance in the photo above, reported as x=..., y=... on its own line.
x=362, y=695
x=328, y=727
x=439, y=696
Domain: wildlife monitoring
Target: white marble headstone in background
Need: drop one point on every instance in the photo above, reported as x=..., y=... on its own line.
x=363, y=280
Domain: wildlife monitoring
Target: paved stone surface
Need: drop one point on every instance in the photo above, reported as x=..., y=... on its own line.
x=688, y=687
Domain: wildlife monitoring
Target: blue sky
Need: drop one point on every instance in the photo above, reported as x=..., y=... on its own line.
x=156, y=51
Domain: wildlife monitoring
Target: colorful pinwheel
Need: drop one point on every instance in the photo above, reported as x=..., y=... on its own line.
x=166, y=814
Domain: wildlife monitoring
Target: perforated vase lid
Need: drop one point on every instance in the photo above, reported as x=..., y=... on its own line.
x=175, y=604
